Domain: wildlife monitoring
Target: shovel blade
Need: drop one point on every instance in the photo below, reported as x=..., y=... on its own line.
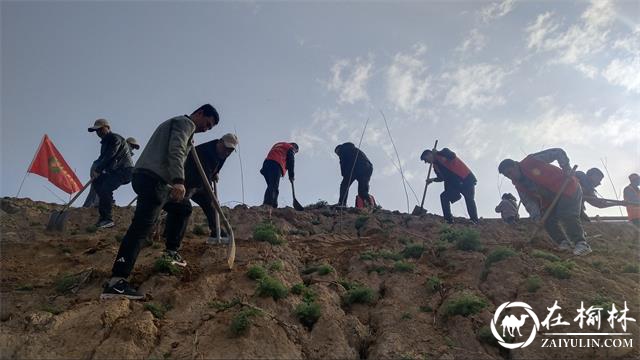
x=57, y=220
x=417, y=210
x=297, y=205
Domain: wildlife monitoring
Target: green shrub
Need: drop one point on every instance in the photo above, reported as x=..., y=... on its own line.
x=413, y=251
x=465, y=305
x=298, y=288
x=158, y=310
x=359, y=295
x=308, y=313
x=164, y=265
x=268, y=286
x=268, y=232
x=434, y=284
x=242, y=321
x=498, y=254
x=544, y=255
x=533, y=283
x=256, y=272
x=560, y=269
x=307, y=293
x=406, y=316
x=277, y=265
x=631, y=268
x=348, y=284
x=447, y=233
x=486, y=336
x=199, y=230
x=602, y=301
x=66, y=283
x=403, y=266
x=378, y=269
x=223, y=305
x=325, y=269
x=468, y=240
x=388, y=255
x=361, y=221
x=310, y=270
x=369, y=255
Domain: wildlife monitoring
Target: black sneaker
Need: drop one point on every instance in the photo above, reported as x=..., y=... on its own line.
x=175, y=258
x=105, y=224
x=121, y=290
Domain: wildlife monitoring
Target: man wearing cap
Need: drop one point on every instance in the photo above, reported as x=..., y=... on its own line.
x=458, y=181
x=212, y=155
x=631, y=194
x=354, y=165
x=537, y=181
x=157, y=179
x=92, y=199
x=280, y=158
x=113, y=168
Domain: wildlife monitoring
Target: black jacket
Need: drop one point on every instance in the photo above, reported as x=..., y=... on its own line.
x=211, y=164
x=114, y=154
x=348, y=154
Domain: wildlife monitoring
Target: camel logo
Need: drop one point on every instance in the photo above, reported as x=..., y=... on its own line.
x=511, y=324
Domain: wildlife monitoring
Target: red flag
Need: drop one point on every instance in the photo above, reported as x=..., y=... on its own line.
x=50, y=164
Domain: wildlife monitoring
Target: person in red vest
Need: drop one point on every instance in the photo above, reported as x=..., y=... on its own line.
x=632, y=194
x=537, y=181
x=280, y=158
x=458, y=181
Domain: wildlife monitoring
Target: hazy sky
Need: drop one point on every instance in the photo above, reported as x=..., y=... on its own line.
x=488, y=79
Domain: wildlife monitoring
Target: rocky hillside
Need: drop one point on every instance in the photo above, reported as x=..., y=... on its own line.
x=318, y=284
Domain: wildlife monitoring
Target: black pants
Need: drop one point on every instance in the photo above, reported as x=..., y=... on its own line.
x=363, y=186
x=453, y=193
x=272, y=173
x=203, y=200
x=153, y=194
x=104, y=186
x=564, y=223
x=178, y=214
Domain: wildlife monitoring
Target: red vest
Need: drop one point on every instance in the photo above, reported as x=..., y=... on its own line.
x=278, y=153
x=456, y=166
x=547, y=176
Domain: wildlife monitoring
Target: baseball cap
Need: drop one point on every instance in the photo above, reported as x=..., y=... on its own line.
x=98, y=124
x=133, y=142
x=230, y=141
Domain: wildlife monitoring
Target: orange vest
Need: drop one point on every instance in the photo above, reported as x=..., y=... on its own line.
x=278, y=153
x=546, y=176
x=633, y=212
x=456, y=166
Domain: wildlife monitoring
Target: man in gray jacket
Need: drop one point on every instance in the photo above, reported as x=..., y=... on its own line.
x=157, y=179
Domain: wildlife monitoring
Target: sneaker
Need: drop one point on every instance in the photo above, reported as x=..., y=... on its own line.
x=121, y=290
x=105, y=224
x=564, y=246
x=582, y=248
x=175, y=258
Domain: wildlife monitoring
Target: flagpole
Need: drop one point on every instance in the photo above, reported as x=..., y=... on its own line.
x=30, y=164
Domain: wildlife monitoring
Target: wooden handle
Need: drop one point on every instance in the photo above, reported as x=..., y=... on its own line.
x=424, y=194
x=77, y=195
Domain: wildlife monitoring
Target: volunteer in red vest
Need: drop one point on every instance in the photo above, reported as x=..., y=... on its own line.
x=458, y=181
x=538, y=181
x=632, y=194
x=281, y=158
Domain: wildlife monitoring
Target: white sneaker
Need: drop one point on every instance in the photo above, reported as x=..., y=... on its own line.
x=582, y=248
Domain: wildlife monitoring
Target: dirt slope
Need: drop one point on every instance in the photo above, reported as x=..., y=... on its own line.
x=45, y=313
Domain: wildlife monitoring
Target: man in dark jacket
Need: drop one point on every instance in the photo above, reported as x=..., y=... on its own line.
x=212, y=155
x=354, y=165
x=157, y=179
x=458, y=181
x=280, y=159
x=588, y=182
x=113, y=168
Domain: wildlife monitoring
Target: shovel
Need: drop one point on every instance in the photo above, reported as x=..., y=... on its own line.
x=132, y=201
x=553, y=203
x=420, y=210
x=217, y=217
x=214, y=201
x=296, y=204
x=57, y=219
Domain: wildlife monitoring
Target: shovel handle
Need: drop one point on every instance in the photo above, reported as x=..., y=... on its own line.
x=217, y=216
x=424, y=194
x=77, y=195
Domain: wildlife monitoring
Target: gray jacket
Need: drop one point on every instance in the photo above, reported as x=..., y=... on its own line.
x=167, y=149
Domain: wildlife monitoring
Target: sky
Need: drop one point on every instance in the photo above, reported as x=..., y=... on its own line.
x=488, y=79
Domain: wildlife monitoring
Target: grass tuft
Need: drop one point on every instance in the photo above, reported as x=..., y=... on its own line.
x=241, y=322
x=465, y=305
x=533, y=283
x=268, y=232
x=308, y=313
x=164, y=265
x=545, y=255
x=359, y=294
x=560, y=269
x=413, y=251
x=268, y=286
x=256, y=272
x=158, y=310
x=403, y=266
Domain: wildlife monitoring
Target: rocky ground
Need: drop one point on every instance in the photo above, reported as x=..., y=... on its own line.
x=340, y=285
